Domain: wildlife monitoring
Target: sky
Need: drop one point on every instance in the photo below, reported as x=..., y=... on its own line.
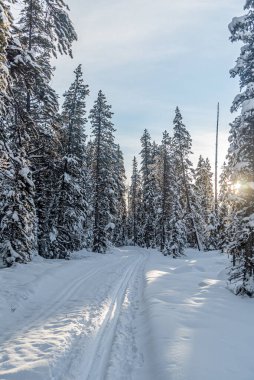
x=150, y=56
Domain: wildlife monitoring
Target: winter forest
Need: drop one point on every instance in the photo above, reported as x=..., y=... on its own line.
x=62, y=192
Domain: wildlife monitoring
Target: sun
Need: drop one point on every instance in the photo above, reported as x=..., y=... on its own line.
x=237, y=186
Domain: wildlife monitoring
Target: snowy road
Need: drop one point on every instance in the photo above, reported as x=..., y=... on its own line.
x=76, y=321
x=130, y=315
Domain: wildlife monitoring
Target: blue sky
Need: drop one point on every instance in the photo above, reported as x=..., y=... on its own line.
x=150, y=56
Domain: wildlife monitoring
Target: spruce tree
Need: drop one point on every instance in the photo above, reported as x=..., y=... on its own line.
x=17, y=210
x=241, y=157
x=103, y=174
x=71, y=211
x=44, y=28
x=148, y=191
x=135, y=209
x=165, y=182
x=120, y=230
x=181, y=146
x=5, y=24
x=204, y=199
x=224, y=210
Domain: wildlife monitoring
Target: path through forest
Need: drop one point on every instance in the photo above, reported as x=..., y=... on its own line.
x=74, y=320
x=129, y=315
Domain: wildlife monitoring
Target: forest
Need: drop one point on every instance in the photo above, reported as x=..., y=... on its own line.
x=61, y=192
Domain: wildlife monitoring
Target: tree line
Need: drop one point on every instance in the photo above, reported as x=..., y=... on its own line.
x=60, y=192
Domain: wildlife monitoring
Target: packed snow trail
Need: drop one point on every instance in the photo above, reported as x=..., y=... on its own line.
x=130, y=315
x=73, y=320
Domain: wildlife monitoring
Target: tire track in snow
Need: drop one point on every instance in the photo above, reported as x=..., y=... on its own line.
x=35, y=331
x=107, y=332
x=73, y=332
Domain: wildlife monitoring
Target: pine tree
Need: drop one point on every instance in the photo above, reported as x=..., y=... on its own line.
x=44, y=28
x=103, y=178
x=148, y=191
x=204, y=199
x=181, y=146
x=135, y=210
x=166, y=198
x=71, y=211
x=177, y=235
x=225, y=210
x=120, y=232
x=241, y=157
x=5, y=24
x=17, y=209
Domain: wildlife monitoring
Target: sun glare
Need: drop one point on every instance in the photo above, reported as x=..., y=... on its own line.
x=237, y=186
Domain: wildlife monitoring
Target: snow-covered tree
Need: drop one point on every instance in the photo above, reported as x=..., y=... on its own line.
x=71, y=211
x=103, y=179
x=119, y=232
x=135, y=209
x=5, y=23
x=225, y=209
x=17, y=210
x=181, y=146
x=164, y=212
x=177, y=235
x=204, y=187
x=241, y=156
x=204, y=200
x=149, y=191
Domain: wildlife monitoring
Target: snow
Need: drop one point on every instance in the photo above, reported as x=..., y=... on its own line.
x=24, y=173
x=110, y=226
x=248, y=106
x=15, y=216
x=132, y=314
x=197, y=328
x=236, y=21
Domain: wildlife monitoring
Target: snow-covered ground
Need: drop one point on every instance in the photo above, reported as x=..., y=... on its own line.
x=133, y=314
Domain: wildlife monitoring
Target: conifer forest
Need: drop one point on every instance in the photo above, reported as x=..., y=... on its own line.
x=75, y=228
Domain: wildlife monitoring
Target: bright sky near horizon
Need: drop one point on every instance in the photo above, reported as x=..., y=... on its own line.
x=149, y=56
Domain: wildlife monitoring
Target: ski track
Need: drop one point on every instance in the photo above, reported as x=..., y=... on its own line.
x=86, y=331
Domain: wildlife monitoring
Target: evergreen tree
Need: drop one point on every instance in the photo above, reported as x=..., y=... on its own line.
x=135, y=210
x=71, y=212
x=204, y=199
x=177, y=235
x=241, y=157
x=120, y=233
x=225, y=210
x=204, y=187
x=165, y=183
x=103, y=178
x=181, y=146
x=5, y=23
x=17, y=210
x=44, y=28
x=148, y=191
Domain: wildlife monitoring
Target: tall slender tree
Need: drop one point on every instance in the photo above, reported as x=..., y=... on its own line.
x=120, y=230
x=103, y=178
x=71, y=211
x=181, y=145
x=135, y=210
x=165, y=178
x=148, y=191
